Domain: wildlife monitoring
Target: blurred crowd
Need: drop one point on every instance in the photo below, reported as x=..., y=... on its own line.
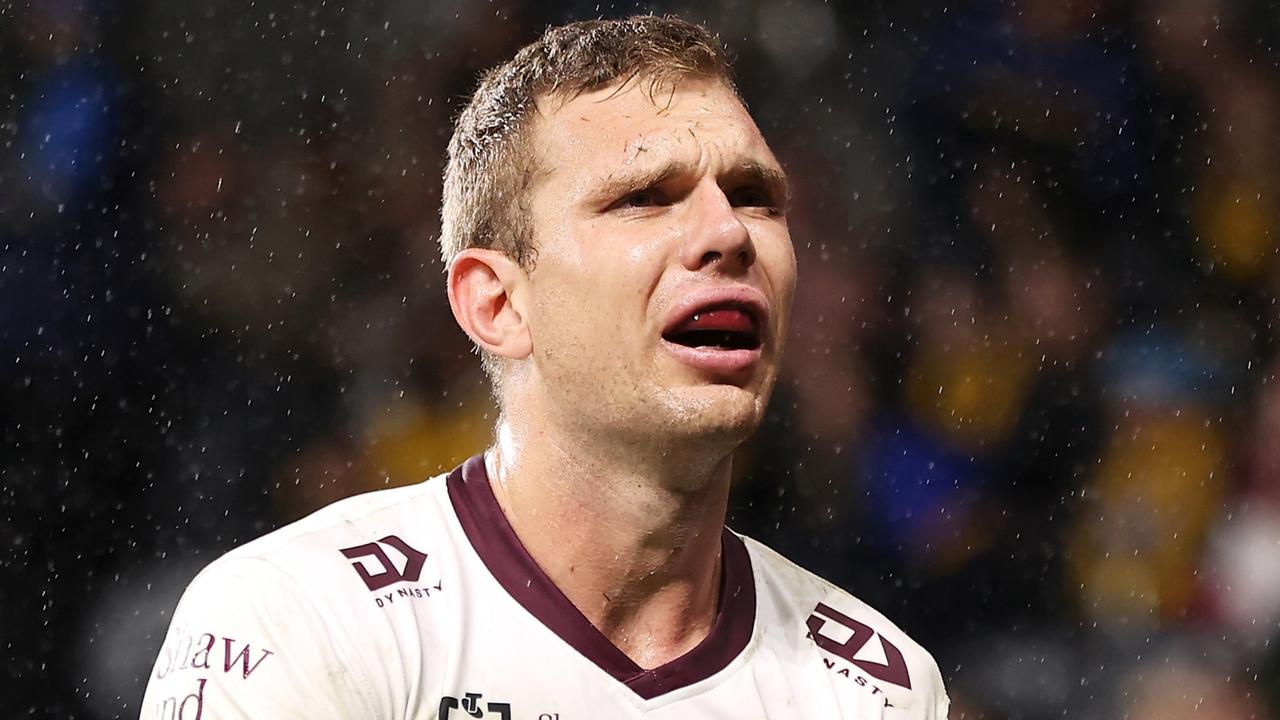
x=1028, y=408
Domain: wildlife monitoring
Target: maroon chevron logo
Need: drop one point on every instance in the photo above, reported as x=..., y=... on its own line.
x=893, y=670
x=389, y=573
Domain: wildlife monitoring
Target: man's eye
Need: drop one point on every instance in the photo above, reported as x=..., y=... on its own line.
x=752, y=197
x=644, y=198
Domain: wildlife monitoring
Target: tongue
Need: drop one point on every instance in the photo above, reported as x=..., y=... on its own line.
x=728, y=320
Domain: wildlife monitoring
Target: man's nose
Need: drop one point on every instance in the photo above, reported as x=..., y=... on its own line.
x=718, y=235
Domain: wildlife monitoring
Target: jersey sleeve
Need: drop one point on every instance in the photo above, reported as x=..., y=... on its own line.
x=247, y=642
x=937, y=704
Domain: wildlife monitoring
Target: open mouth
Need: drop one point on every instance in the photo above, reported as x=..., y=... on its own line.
x=729, y=327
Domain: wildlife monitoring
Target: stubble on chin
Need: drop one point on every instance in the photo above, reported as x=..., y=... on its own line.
x=720, y=416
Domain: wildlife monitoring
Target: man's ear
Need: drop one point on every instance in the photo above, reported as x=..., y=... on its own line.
x=482, y=285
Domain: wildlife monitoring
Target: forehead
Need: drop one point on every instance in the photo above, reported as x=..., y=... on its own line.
x=630, y=123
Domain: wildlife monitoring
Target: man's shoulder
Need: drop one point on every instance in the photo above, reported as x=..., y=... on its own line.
x=857, y=641
x=305, y=601
x=347, y=520
x=375, y=537
x=791, y=586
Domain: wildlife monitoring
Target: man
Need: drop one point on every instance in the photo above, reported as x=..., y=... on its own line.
x=617, y=245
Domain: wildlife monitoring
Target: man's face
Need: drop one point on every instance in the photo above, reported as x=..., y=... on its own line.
x=664, y=274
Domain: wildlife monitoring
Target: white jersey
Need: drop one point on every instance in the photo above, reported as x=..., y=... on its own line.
x=420, y=602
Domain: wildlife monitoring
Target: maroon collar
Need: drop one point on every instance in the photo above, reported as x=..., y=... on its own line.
x=502, y=552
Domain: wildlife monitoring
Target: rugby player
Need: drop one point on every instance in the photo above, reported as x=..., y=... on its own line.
x=616, y=237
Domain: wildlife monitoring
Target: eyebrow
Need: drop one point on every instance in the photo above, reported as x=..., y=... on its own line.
x=623, y=182
x=768, y=177
x=747, y=172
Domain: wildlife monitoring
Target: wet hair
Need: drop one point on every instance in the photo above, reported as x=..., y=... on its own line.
x=491, y=160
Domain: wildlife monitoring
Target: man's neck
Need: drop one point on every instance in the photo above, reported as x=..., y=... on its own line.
x=637, y=553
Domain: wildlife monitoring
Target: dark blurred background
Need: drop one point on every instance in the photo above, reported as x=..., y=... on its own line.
x=1029, y=409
